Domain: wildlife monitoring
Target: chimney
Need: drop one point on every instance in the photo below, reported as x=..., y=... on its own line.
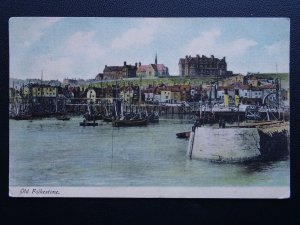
x=124, y=63
x=105, y=66
x=212, y=56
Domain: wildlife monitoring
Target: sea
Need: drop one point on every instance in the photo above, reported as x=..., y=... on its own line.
x=51, y=152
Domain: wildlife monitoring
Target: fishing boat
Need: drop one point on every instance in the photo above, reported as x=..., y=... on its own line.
x=63, y=118
x=21, y=117
x=130, y=122
x=17, y=112
x=183, y=134
x=153, y=117
x=88, y=124
x=107, y=118
x=93, y=117
x=92, y=114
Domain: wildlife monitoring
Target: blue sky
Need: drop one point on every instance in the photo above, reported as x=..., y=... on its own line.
x=81, y=47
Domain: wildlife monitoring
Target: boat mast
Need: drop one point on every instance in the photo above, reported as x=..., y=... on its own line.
x=140, y=95
x=277, y=93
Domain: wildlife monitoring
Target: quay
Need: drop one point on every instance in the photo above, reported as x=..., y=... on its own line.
x=247, y=142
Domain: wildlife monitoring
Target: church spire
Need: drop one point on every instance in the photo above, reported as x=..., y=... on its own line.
x=156, y=58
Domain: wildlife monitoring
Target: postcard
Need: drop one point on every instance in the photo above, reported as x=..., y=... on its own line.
x=149, y=107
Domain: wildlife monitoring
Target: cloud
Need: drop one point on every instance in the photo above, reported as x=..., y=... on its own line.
x=278, y=48
x=238, y=46
x=36, y=30
x=53, y=68
x=208, y=43
x=142, y=34
x=83, y=44
x=137, y=37
x=205, y=43
x=278, y=53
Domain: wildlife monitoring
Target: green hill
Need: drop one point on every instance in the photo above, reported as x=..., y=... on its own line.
x=282, y=76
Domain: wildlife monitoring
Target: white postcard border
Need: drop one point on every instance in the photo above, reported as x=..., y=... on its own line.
x=152, y=192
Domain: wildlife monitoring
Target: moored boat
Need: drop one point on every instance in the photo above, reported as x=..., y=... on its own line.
x=88, y=124
x=153, y=118
x=131, y=122
x=183, y=134
x=63, y=117
x=92, y=117
x=107, y=118
x=21, y=117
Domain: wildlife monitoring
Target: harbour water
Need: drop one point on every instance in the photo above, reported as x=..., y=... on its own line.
x=49, y=152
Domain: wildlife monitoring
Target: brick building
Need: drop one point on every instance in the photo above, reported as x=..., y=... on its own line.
x=117, y=72
x=203, y=66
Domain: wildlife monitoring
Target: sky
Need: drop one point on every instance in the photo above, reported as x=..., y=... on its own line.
x=77, y=47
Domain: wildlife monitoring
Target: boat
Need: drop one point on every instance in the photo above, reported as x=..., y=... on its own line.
x=92, y=117
x=153, y=118
x=21, y=117
x=183, y=134
x=88, y=124
x=63, y=117
x=92, y=114
x=130, y=122
x=107, y=118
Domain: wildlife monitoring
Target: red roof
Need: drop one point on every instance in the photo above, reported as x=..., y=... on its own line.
x=142, y=68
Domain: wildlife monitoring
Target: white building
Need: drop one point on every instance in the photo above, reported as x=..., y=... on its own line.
x=165, y=96
x=91, y=95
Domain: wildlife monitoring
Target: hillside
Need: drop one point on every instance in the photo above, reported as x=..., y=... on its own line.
x=282, y=76
x=158, y=81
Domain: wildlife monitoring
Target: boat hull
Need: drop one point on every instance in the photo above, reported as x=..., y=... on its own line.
x=183, y=134
x=128, y=123
x=22, y=117
x=83, y=124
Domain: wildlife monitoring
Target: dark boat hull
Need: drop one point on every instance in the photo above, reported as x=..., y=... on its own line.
x=183, y=134
x=107, y=119
x=83, y=124
x=63, y=118
x=93, y=117
x=128, y=123
x=22, y=117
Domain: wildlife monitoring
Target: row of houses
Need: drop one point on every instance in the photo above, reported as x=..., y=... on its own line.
x=187, y=93
x=237, y=84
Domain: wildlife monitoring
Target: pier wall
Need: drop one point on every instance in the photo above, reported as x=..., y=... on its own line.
x=228, y=144
x=274, y=141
